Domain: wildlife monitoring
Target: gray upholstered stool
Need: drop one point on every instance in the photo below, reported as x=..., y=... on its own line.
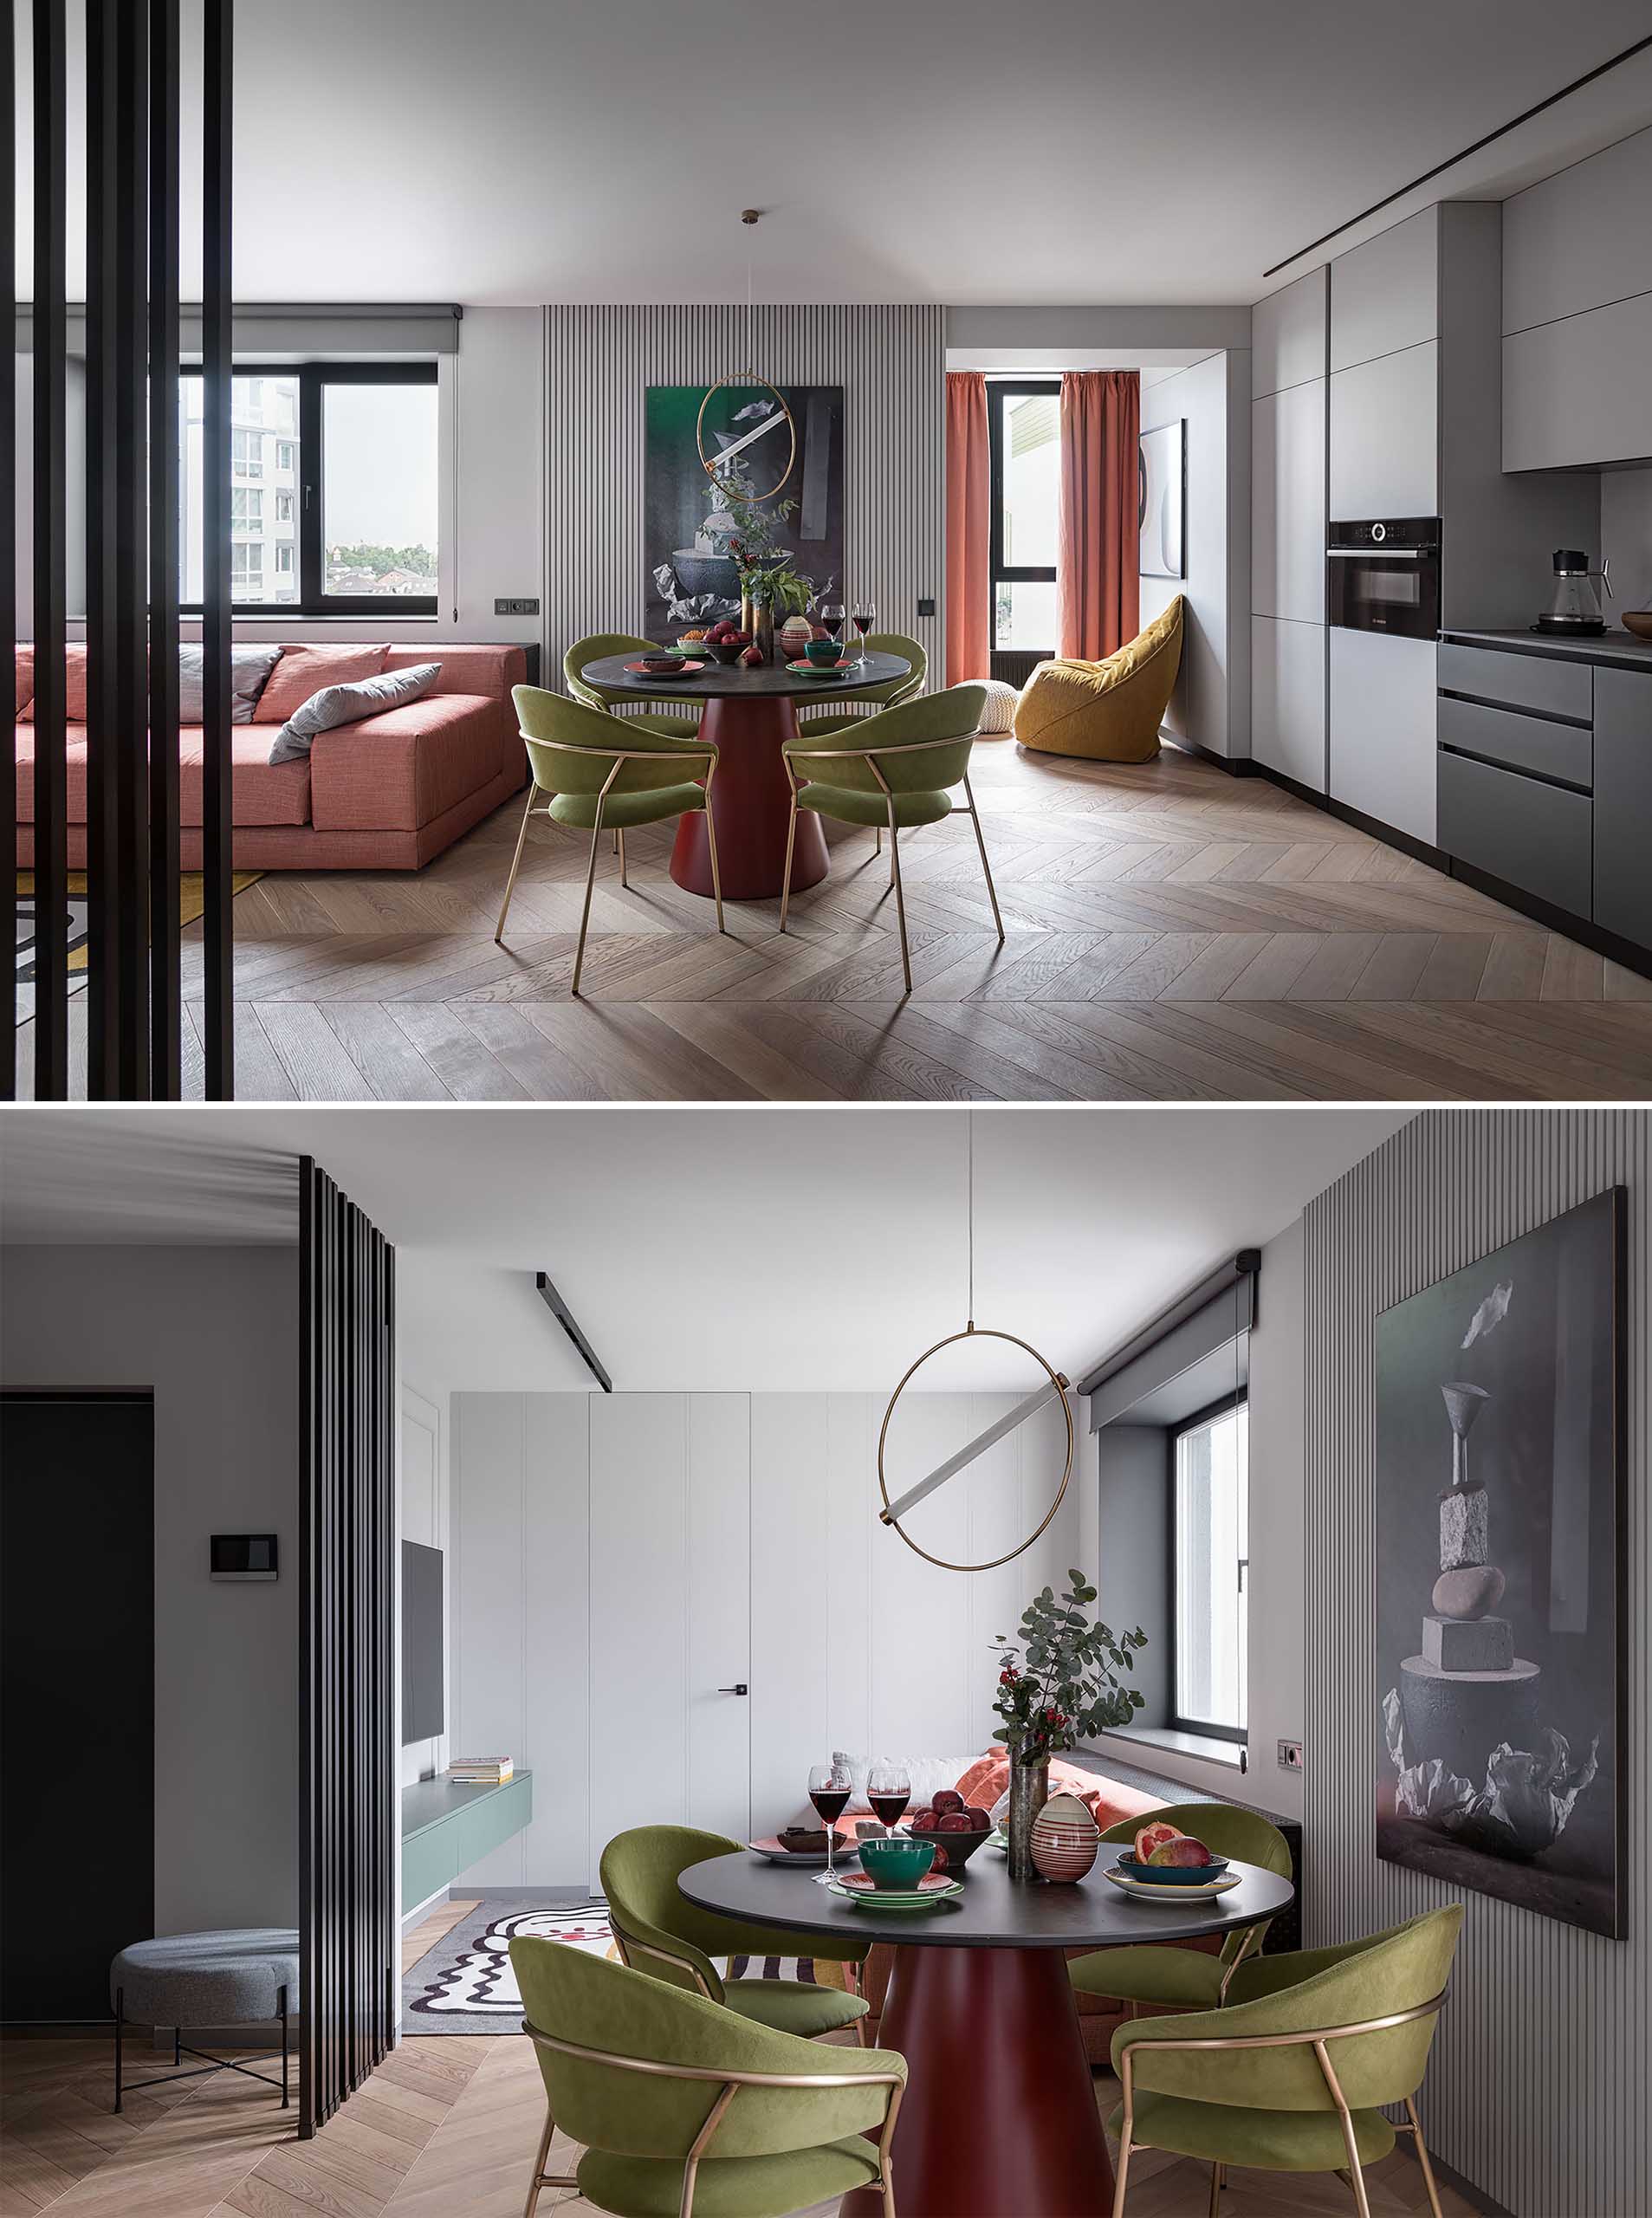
x=205, y=1979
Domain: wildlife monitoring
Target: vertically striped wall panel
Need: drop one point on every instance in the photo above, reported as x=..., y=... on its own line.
x=1538, y=2091
x=891, y=362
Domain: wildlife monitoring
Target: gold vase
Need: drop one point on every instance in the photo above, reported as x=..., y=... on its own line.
x=1029, y=1787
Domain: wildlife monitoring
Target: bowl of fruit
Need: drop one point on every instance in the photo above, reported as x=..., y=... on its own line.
x=956, y=1829
x=726, y=642
x=1162, y=1856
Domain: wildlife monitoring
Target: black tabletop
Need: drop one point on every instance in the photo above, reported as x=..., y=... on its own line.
x=727, y=681
x=990, y=1913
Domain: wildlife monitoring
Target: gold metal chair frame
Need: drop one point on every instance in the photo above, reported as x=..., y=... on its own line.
x=869, y=755
x=687, y=758
x=628, y=1947
x=731, y=2083
x=1061, y=1383
x=1317, y=2040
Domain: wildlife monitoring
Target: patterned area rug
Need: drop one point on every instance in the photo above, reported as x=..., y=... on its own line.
x=191, y=904
x=465, y=1984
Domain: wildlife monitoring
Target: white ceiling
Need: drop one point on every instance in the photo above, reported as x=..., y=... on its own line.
x=741, y=1249
x=958, y=151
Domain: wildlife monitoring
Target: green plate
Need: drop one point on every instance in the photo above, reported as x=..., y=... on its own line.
x=889, y=1898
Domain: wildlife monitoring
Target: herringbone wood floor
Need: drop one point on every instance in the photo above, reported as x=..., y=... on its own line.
x=1173, y=933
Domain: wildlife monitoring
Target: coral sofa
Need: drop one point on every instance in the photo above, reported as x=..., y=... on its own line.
x=385, y=793
x=1105, y=711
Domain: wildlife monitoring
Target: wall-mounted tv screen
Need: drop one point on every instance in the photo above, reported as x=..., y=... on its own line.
x=423, y=1712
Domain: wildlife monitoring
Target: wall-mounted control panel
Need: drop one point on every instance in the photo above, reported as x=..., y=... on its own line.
x=1290, y=1755
x=245, y=1556
x=516, y=607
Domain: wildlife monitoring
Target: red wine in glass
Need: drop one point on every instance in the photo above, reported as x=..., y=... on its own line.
x=890, y=1809
x=830, y=1786
x=832, y=619
x=831, y=1803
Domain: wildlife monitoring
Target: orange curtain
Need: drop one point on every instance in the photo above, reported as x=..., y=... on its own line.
x=1097, y=585
x=969, y=530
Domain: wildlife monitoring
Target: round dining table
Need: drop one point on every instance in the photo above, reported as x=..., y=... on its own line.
x=1000, y=2113
x=747, y=715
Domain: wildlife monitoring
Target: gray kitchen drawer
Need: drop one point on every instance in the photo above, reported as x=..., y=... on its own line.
x=1520, y=742
x=1542, y=683
x=1534, y=836
x=1623, y=818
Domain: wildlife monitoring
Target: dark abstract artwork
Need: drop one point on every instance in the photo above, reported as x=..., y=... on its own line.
x=1500, y=1515
x=690, y=575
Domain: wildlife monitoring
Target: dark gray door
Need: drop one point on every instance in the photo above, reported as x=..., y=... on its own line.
x=77, y=1697
x=1623, y=803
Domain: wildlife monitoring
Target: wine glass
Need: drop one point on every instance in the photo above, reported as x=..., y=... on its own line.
x=864, y=617
x=889, y=1790
x=829, y=1790
x=832, y=619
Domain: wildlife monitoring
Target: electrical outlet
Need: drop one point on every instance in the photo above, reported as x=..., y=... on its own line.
x=515, y=607
x=1290, y=1755
x=926, y=607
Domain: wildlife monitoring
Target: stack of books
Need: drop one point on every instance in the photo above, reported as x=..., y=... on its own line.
x=480, y=1771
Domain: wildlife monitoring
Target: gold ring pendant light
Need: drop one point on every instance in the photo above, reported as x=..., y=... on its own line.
x=1057, y=1386
x=710, y=463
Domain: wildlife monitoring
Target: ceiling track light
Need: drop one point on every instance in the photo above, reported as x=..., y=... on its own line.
x=570, y=1324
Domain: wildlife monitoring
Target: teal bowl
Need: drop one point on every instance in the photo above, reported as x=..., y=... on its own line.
x=825, y=654
x=896, y=1862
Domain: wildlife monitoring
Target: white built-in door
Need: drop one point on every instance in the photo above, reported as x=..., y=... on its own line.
x=670, y=1621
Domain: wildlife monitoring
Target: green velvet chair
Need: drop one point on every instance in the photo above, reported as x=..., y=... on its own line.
x=895, y=768
x=1169, y=1978
x=1292, y=2073
x=683, y=2107
x=596, y=649
x=662, y=1932
x=888, y=695
x=604, y=774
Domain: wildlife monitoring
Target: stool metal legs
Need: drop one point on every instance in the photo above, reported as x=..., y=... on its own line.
x=208, y=2064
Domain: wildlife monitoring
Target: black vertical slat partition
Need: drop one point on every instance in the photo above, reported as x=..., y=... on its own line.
x=131, y=299
x=218, y=364
x=165, y=989
x=51, y=548
x=347, y=1722
x=9, y=520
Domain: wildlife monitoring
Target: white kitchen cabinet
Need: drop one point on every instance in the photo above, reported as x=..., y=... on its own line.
x=1384, y=435
x=1288, y=699
x=1385, y=295
x=1579, y=239
x=1384, y=707
x=1579, y=392
x=1288, y=335
x=1288, y=504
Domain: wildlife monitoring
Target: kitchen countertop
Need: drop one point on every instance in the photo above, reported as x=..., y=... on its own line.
x=1621, y=650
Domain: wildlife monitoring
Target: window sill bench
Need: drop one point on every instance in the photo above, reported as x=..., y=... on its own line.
x=1173, y=1742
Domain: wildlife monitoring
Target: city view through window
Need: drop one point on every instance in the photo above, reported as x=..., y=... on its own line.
x=378, y=491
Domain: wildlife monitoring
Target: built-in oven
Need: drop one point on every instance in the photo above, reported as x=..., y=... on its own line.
x=1382, y=574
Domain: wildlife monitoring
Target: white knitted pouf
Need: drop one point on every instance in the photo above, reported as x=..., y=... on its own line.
x=998, y=715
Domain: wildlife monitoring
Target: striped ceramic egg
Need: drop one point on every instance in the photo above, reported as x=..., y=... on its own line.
x=1064, y=1839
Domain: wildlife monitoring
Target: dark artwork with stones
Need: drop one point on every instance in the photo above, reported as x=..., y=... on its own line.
x=1500, y=1507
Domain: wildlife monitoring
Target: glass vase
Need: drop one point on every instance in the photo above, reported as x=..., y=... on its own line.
x=1029, y=1788
x=763, y=630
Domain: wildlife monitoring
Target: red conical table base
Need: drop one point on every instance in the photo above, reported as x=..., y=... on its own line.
x=751, y=802
x=999, y=2118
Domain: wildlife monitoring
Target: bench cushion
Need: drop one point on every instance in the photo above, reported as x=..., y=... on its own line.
x=260, y=795
x=207, y=1979
x=397, y=770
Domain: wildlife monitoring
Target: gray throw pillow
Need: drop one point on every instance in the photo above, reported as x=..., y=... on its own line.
x=346, y=704
x=250, y=669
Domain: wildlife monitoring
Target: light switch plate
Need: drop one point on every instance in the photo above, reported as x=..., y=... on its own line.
x=1290, y=1755
x=926, y=605
x=515, y=607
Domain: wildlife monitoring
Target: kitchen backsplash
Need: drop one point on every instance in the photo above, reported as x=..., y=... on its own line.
x=1626, y=536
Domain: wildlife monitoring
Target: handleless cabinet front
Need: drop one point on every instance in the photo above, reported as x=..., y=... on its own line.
x=1623, y=803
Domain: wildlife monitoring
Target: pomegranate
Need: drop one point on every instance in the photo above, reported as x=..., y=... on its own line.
x=1152, y=1836
x=1183, y=1849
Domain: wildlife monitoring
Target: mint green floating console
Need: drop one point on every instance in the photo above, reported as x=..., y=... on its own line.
x=446, y=1829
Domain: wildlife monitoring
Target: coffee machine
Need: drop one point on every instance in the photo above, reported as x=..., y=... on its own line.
x=1575, y=610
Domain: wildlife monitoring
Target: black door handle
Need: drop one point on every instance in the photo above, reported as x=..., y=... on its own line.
x=742, y=1688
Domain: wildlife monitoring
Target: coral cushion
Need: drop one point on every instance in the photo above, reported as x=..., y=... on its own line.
x=398, y=770
x=1108, y=1800
x=25, y=677
x=73, y=681
x=303, y=671
x=477, y=671
x=260, y=795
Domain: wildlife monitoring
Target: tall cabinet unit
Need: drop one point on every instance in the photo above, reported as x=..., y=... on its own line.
x=1288, y=344
x=1416, y=360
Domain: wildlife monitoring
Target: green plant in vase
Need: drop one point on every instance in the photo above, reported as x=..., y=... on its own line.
x=1058, y=1684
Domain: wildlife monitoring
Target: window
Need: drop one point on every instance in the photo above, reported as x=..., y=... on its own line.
x=1210, y=1569
x=1024, y=423
x=354, y=528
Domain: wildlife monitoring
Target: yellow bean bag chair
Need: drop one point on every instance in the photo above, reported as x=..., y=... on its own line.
x=1108, y=711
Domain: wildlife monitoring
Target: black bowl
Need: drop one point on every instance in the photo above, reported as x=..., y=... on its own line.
x=725, y=650
x=957, y=1847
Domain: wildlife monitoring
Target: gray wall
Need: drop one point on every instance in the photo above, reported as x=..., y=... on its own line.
x=890, y=362
x=214, y=1332
x=1133, y=1587
x=1626, y=536
x=1538, y=2089
x=1210, y=707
